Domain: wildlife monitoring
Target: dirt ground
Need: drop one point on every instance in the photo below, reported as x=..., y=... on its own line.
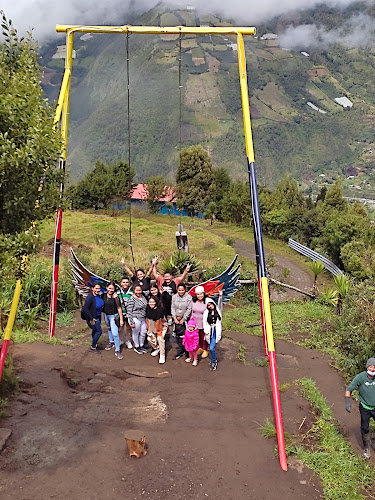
x=202, y=427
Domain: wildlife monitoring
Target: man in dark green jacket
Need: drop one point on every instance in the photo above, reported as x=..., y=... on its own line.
x=365, y=383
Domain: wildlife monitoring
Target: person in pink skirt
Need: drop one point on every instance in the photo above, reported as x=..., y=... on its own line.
x=191, y=341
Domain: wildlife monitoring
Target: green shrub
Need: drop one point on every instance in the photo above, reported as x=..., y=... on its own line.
x=9, y=383
x=36, y=293
x=178, y=261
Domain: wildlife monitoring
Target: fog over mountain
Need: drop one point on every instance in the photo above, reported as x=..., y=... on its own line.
x=357, y=31
x=41, y=16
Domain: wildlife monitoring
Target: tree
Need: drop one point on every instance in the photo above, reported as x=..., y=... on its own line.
x=223, y=182
x=195, y=179
x=29, y=146
x=334, y=197
x=156, y=189
x=211, y=212
x=236, y=204
x=103, y=185
x=287, y=194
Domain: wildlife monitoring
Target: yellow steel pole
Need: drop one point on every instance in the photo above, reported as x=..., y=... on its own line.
x=261, y=262
x=62, y=96
x=12, y=317
x=65, y=102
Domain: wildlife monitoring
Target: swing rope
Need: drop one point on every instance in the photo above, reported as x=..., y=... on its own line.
x=130, y=186
x=180, y=102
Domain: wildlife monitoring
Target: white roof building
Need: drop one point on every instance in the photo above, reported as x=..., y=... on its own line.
x=61, y=52
x=344, y=102
x=269, y=36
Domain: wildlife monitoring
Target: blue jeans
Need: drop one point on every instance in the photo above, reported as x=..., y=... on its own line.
x=213, y=346
x=139, y=331
x=112, y=330
x=96, y=330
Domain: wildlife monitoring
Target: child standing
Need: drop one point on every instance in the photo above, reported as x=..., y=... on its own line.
x=154, y=319
x=212, y=318
x=191, y=341
x=179, y=331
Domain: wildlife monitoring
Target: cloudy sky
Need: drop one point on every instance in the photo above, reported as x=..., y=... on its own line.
x=43, y=15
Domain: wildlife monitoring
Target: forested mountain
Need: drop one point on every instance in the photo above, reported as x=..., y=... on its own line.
x=289, y=134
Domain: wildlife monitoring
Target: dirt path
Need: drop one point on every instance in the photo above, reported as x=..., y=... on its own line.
x=202, y=427
x=297, y=276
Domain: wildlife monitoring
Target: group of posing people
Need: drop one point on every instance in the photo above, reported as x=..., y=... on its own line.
x=154, y=309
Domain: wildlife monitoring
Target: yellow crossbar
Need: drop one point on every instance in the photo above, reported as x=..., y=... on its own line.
x=175, y=30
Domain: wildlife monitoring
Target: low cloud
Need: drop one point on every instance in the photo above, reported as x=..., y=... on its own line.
x=43, y=15
x=358, y=31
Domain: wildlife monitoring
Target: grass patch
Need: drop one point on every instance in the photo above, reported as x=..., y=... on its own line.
x=261, y=362
x=20, y=336
x=295, y=319
x=242, y=354
x=152, y=236
x=64, y=318
x=9, y=385
x=343, y=474
x=268, y=429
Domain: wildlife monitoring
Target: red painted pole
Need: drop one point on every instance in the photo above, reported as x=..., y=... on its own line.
x=277, y=411
x=55, y=273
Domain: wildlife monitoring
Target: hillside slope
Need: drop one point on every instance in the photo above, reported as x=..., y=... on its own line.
x=289, y=135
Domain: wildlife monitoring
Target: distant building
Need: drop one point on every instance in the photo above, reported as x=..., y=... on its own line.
x=190, y=8
x=85, y=37
x=139, y=198
x=269, y=36
x=61, y=52
x=315, y=108
x=306, y=54
x=232, y=46
x=344, y=102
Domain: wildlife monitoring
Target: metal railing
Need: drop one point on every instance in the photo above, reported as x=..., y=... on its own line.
x=311, y=254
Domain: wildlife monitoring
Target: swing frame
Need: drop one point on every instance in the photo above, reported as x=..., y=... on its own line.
x=62, y=119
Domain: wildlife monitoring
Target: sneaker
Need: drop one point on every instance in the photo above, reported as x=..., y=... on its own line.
x=177, y=356
x=119, y=355
x=366, y=452
x=187, y=360
x=161, y=359
x=195, y=362
x=128, y=344
x=138, y=350
x=143, y=349
x=155, y=352
x=213, y=365
x=204, y=354
x=94, y=350
x=109, y=346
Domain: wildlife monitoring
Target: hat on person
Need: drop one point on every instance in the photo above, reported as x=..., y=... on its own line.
x=370, y=362
x=199, y=289
x=179, y=313
x=192, y=322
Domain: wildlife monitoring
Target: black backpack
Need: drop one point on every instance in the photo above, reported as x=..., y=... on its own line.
x=83, y=314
